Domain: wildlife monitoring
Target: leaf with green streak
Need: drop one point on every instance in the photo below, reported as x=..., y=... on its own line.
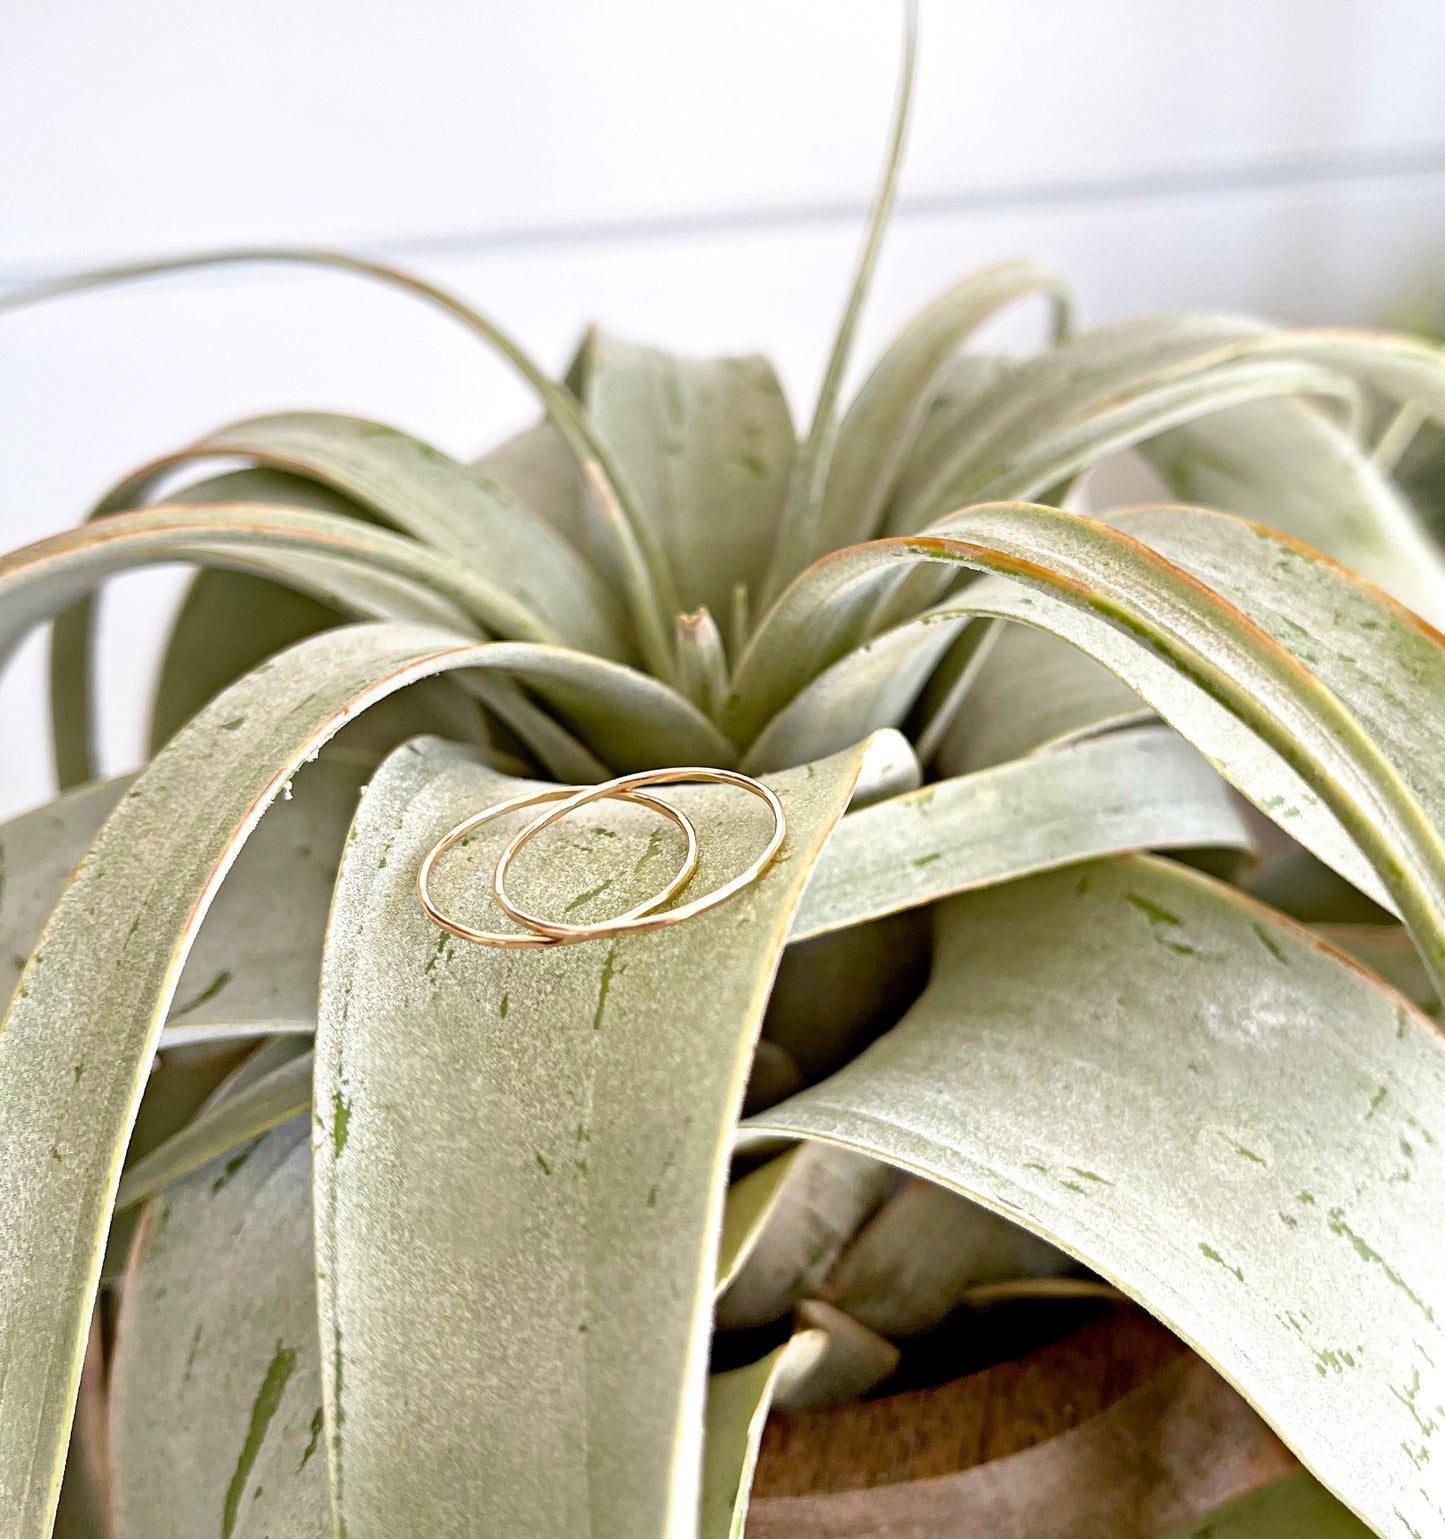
x=1144, y=789
x=882, y=422
x=1374, y=785
x=1296, y=1507
x=707, y=444
x=273, y=1099
x=1288, y=467
x=83, y=1026
x=1271, y=1193
x=215, y=1388
x=595, y=1112
x=737, y=1411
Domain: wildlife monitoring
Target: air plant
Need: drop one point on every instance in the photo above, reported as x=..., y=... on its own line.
x=419, y=1237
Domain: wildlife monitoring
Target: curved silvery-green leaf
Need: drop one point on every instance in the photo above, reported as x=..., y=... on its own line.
x=226, y=624
x=38, y=580
x=798, y=535
x=1032, y=691
x=597, y=1118
x=83, y=1026
x=1296, y=1507
x=1288, y=467
x=881, y=423
x=1057, y=457
x=872, y=687
x=433, y=498
x=982, y=431
x=1141, y=789
x=1373, y=788
x=215, y=1384
x=752, y=1203
x=275, y=1098
x=737, y=1410
x=644, y=575
x=621, y=713
x=1283, y=1219
x=707, y=445
x=38, y=851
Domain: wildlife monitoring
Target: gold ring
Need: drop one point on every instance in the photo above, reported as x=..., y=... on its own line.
x=646, y=919
x=538, y=937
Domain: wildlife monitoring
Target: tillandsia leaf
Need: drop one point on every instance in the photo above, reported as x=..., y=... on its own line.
x=824, y=1196
x=799, y=533
x=1000, y=408
x=737, y=1410
x=885, y=416
x=204, y=652
x=619, y=711
x=1371, y=787
x=919, y=1254
x=853, y=1362
x=752, y=1202
x=1291, y=1118
x=1288, y=467
x=1140, y=789
x=1388, y=951
x=573, y=1086
x=1230, y=745
x=215, y=1388
x=83, y=1026
x=702, y=666
x=275, y=1098
x=38, y=851
x=1057, y=457
x=707, y=445
x=1067, y=695
x=54, y=571
x=430, y=496
x=873, y=686
x=644, y=573
x=1296, y=1507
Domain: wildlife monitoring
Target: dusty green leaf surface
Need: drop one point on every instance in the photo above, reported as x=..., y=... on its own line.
x=38, y=851
x=274, y=1098
x=737, y=1410
x=707, y=445
x=81, y=1030
x=510, y=1143
x=1293, y=1508
x=216, y=1383
x=1212, y=1108
x=1142, y=789
x=1311, y=713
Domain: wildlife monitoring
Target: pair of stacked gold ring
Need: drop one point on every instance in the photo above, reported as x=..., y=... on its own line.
x=645, y=916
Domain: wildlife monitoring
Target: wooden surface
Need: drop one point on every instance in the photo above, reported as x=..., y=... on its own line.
x=1118, y=1432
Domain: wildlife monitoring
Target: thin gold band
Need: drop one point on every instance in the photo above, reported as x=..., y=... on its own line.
x=648, y=919
x=538, y=937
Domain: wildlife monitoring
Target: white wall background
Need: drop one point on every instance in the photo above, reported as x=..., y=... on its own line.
x=691, y=173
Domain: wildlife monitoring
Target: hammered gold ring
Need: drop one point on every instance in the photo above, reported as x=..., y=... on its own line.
x=647, y=918
x=537, y=937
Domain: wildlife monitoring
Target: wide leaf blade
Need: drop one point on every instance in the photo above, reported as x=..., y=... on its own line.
x=1215, y=1110
x=589, y=1092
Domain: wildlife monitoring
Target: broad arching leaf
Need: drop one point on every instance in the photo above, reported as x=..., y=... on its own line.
x=1213, y=1109
x=474, y=1356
